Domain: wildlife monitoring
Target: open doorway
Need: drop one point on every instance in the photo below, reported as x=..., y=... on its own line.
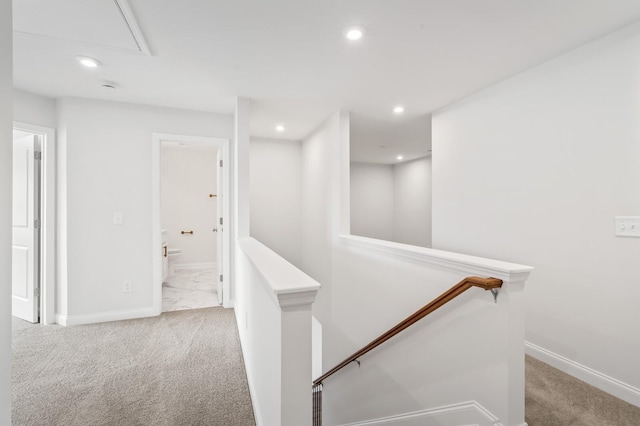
x=189, y=194
x=190, y=208
x=33, y=229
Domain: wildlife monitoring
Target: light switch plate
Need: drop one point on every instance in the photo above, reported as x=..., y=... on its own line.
x=628, y=226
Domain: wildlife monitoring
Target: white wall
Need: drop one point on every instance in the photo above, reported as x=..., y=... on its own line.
x=319, y=190
x=372, y=200
x=104, y=164
x=6, y=155
x=240, y=228
x=366, y=290
x=34, y=109
x=534, y=170
x=392, y=202
x=188, y=177
x=276, y=195
x=412, y=202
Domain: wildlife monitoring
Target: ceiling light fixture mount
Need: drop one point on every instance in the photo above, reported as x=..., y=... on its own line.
x=398, y=109
x=279, y=128
x=88, y=61
x=354, y=33
x=399, y=157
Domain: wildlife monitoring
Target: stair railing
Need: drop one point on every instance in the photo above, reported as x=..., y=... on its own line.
x=492, y=284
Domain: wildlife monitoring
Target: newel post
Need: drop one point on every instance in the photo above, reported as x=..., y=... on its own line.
x=513, y=302
x=296, y=356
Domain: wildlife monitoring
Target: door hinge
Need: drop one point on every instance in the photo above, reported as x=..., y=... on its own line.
x=220, y=163
x=37, y=155
x=221, y=221
x=36, y=223
x=221, y=277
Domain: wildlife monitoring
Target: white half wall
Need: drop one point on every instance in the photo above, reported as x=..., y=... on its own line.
x=34, y=109
x=368, y=287
x=188, y=177
x=275, y=328
x=534, y=170
x=276, y=195
x=6, y=165
x=104, y=165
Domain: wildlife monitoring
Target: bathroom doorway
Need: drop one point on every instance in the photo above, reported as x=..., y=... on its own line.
x=190, y=209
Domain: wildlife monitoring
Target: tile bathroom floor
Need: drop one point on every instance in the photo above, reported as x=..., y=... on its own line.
x=190, y=289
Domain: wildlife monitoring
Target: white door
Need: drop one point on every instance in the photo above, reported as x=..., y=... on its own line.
x=219, y=223
x=26, y=234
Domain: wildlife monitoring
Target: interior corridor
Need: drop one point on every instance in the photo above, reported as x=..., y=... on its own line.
x=180, y=368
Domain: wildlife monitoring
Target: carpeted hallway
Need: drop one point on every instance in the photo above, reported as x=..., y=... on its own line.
x=181, y=368
x=185, y=368
x=554, y=398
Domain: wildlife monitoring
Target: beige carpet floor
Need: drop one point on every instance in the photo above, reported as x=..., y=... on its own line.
x=185, y=368
x=181, y=368
x=553, y=398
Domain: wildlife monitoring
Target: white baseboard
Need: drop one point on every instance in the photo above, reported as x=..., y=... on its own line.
x=595, y=378
x=201, y=265
x=70, y=320
x=469, y=413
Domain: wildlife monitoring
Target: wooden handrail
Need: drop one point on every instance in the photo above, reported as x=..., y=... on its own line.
x=447, y=296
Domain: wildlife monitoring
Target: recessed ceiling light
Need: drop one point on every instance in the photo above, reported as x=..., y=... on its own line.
x=88, y=62
x=354, y=33
x=399, y=157
x=398, y=109
x=280, y=128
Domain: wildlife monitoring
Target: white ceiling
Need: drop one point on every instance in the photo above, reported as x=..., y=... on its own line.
x=95, y=22
x=290, y=56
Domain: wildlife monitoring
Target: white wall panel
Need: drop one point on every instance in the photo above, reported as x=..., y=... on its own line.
x=534, y=170
x=372, y=200
x=6, y=138
x=412, y=202
x=104, y=158
x=34, y=109
x=276, y=195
